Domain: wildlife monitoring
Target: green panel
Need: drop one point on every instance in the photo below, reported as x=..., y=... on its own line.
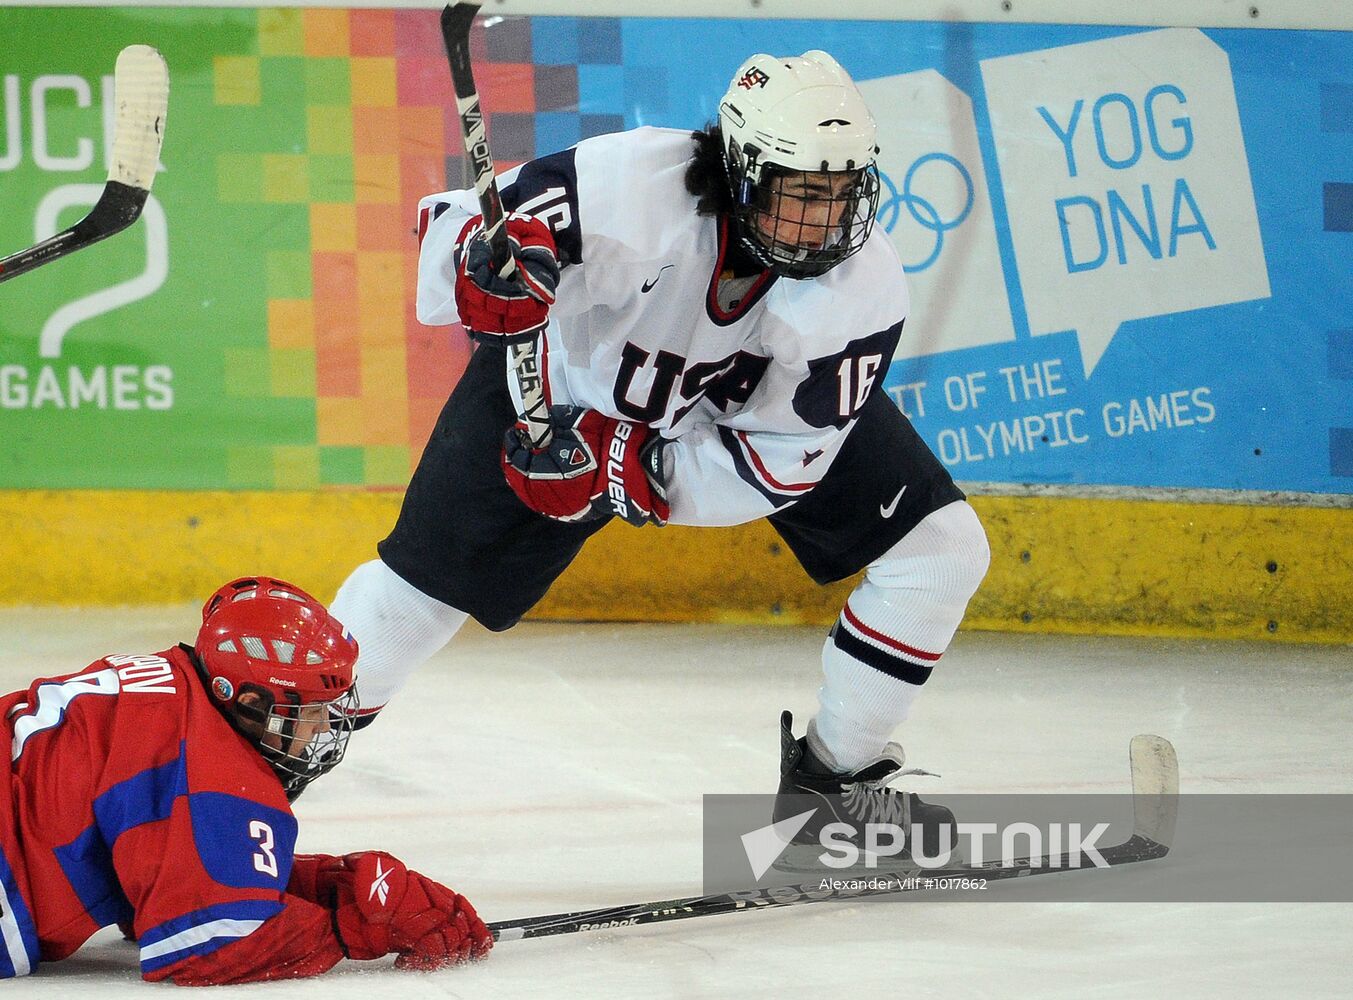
x=279, y=32
x=296, y=468
x=286, y=177
x=288, y=274
x=249, y=466
x=330, y=130
x=133, y=394
x=247, y=373
x=331, y=179
x=239, y=177
x=147, y=361
x=386, y=465
x=328, y=81
x=341, y=466
x=293, y=373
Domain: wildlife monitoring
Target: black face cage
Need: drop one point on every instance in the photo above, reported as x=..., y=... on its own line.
x=805, y=236
x=298, y=765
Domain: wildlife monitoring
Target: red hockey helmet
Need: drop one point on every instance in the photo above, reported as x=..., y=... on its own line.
x=280, y=668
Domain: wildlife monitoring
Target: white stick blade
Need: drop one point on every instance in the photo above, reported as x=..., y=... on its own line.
x=141, y=92
x=1155, y=787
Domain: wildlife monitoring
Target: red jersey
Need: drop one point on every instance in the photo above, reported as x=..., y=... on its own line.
x=131, y=798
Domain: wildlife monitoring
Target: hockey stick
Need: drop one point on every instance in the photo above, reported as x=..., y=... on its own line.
x=141, y=93
x=523, y=356
x=1155, y=794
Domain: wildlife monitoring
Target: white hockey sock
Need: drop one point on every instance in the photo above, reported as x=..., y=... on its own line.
x=859, y=709
x=397, y=627
x=891, y=633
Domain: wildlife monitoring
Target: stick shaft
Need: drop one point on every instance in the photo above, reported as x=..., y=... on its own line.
x=522, y=358
x=1136, y=848
x=1155, y=794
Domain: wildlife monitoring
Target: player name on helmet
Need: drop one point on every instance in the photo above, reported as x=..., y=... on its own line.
x=615, y=468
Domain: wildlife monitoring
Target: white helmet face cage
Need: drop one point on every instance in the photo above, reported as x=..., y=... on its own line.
x=800, y=147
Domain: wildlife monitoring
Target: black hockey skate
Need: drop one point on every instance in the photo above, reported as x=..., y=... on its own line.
x=856, y=798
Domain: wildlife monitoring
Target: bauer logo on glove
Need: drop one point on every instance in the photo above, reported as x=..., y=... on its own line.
x=512, y=308
x=594, y=466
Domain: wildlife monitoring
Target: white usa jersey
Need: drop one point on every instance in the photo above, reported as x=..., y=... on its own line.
x=755, y=401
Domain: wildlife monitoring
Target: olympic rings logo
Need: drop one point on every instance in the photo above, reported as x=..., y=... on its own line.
x=922, y=209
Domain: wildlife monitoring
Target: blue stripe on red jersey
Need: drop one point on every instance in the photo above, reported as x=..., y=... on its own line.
x=203, y=932
x=18, y=934
x=142, y=798
x=88, y=864
x=87, y=861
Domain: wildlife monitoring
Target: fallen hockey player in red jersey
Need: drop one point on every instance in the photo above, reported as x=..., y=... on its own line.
x=153, y=791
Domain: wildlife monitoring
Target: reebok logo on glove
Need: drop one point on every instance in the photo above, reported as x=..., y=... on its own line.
x=380, y=885
x=380, y=907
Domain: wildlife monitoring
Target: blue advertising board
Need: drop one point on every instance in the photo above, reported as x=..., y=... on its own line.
x=1130, y=251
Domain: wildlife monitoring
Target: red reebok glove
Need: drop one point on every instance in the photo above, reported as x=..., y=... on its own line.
x=594, y=466
x=506, y=308
x=382, y=908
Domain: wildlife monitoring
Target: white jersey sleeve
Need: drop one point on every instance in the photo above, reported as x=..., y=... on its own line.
x=440, y=219
x=545, y=188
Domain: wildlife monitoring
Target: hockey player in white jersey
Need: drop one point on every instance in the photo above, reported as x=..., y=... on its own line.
x=716, y=312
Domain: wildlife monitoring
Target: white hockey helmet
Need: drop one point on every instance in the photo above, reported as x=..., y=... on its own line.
x=794, y=115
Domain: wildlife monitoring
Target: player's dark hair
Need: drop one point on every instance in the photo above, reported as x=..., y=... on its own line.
x=707, y=173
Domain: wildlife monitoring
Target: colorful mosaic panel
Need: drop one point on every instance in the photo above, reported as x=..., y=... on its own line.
x=373, y=130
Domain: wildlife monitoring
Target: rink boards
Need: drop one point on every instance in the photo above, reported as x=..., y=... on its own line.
x=1059, y=564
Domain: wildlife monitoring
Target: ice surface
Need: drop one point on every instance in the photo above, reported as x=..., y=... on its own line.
x=562, y=766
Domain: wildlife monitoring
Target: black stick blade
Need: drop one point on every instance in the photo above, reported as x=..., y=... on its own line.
x=456, y=19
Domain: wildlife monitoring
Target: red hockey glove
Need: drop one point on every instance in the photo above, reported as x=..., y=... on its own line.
x=313, y=877
x=594, y=466
x=509, y=309
x=382, y=908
